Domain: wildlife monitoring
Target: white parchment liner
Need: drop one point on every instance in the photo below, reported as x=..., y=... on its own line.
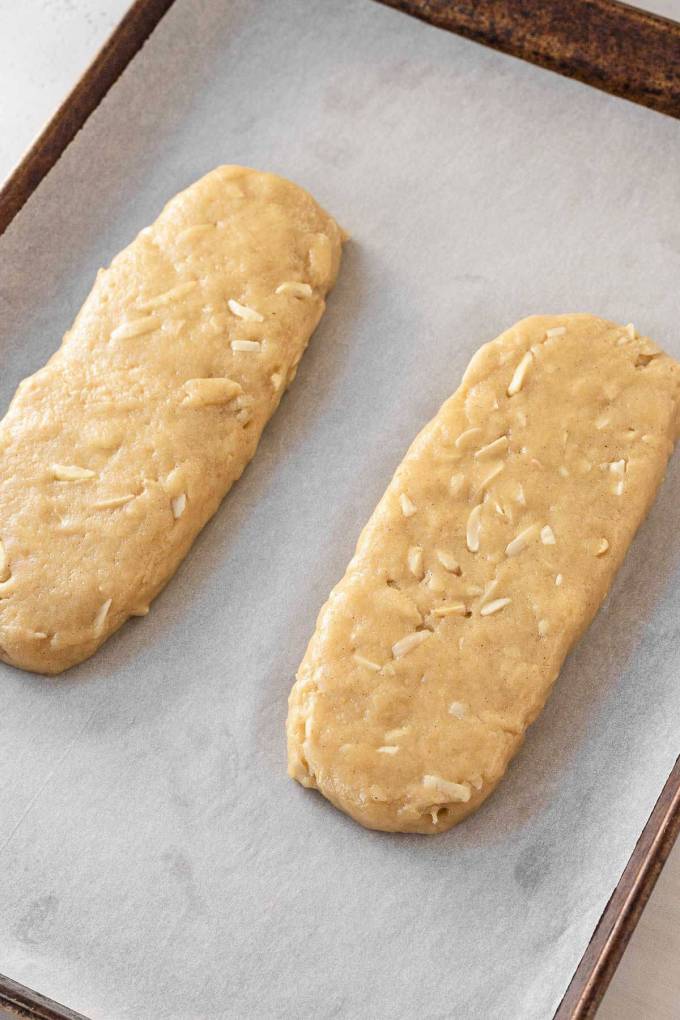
x=155, y=861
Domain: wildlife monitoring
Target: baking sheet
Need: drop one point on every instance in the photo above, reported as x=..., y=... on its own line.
x=154, y=858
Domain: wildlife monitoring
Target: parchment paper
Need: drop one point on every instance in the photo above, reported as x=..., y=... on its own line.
x=155, y=861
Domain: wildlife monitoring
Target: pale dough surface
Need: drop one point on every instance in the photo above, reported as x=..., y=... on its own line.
x=489, y=554
x=116, y=453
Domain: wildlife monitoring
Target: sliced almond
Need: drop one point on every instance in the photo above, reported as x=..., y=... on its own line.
x=493, y=449
x=448, y=561
x=209, y=391
x=295, y=288
x=415, y=561
x=435, y=582
x=521, y=541
x=320, y=258
x=71, y=473
x=128, y=330
x=494, y=607
x=397, y=734
x=361, y=660
x=174, y=294
x=618, y=469
x=488, y=591
x=474, y=528
x=175, y=481
x=244, y=312
x=408, y=643
x=458, y=709
x=457, y=792
x=252, y=346
x=451, y=609
x=467, y=439
x=178, y=505
x=456, y=484
x=197, y=230
x=488, y=478
x=113, y=502
x=102, y=613
x=408, y=507
x=520, y=372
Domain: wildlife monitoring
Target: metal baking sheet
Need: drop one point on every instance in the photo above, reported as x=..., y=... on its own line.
x=155, y=860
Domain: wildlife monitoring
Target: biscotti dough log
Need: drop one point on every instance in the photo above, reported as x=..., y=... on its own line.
x=115, y=454
x=489, y=554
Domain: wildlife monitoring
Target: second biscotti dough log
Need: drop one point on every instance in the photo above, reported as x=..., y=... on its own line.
x=116, y=453
x=492, y=549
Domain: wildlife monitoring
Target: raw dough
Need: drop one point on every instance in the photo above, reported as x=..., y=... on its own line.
x=489, y=554
x=116, y=453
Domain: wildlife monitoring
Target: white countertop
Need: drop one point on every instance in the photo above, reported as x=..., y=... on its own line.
x=45, y=45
